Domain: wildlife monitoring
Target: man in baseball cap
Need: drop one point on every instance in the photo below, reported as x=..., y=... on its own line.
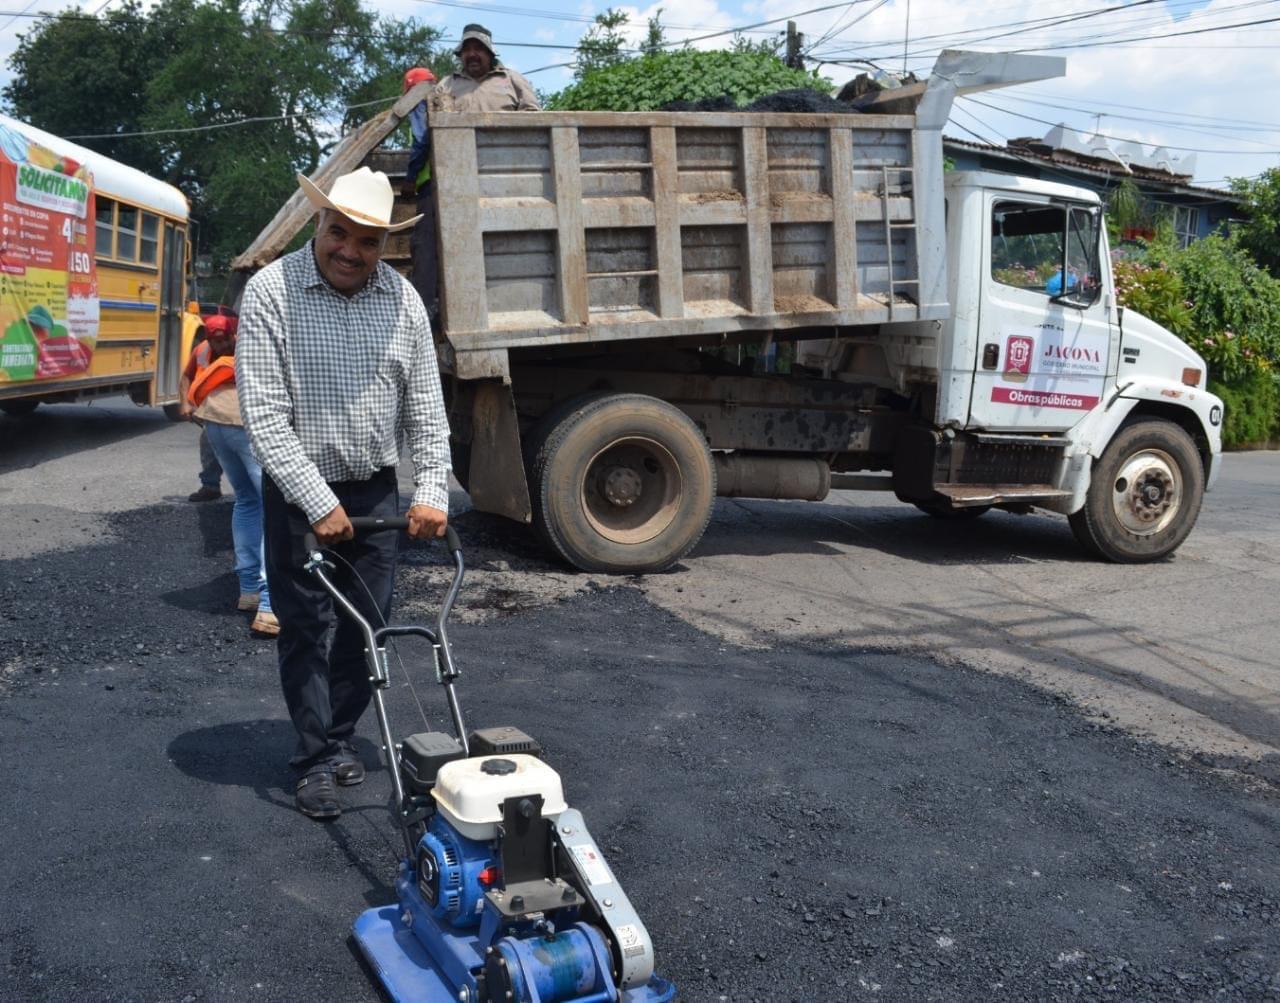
x=483, y=83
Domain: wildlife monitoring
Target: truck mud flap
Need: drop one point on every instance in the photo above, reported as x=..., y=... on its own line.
x=495, y=476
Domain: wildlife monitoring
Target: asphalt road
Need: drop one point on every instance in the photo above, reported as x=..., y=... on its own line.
x=825, y=810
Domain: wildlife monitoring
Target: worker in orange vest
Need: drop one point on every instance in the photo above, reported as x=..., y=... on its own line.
x=209, y=396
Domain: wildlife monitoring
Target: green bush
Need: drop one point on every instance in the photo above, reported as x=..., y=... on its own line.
x=648, y=83
x=1234, y=305
x=1252, y=410
x=1156, y=293
x=1213, y=296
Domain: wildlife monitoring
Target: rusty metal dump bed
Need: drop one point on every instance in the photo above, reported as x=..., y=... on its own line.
x=571, y=227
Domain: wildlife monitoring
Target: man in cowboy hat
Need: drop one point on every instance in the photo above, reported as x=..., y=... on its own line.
x=483, y=83
x=335, y=369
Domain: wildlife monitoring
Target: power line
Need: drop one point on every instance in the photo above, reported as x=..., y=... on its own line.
x=1199, y=129
x=1033, y=25
x=226, y=125
x=1023, y=26
x=1185, y=114
x=1151, y=38
x=1123, y=139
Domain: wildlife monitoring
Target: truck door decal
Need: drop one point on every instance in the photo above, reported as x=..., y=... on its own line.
x=1050, y=368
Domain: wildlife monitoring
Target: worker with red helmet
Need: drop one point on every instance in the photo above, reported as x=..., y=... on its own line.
x=417, y=185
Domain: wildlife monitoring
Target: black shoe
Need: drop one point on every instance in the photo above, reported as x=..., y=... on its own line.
x=317, y=796
x=347, y=766
x=204, y=494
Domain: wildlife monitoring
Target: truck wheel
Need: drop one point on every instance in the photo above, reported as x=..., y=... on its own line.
x=18, y=408
x=941, y=511
x=622, y=483
x=1145, y=494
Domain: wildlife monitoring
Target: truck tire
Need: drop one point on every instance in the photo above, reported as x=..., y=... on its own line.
x=621, y=483
x=18, y=408
x=1144, y=496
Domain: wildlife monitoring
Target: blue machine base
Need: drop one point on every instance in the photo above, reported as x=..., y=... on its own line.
x=408, y=974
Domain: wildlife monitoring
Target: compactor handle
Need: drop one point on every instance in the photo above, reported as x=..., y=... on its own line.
x=376, y=523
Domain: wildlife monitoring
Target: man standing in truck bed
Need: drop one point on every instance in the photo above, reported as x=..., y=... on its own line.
x=483, y=83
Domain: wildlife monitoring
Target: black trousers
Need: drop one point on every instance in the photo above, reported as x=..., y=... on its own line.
x=422, y=246
x=326, y=686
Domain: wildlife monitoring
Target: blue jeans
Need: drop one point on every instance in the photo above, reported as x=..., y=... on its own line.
x=231, y=444
x=210, y=471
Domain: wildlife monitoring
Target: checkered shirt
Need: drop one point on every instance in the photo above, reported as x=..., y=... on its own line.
x=331, y=387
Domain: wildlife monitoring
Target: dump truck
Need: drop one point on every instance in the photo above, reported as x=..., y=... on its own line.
x=645, y=311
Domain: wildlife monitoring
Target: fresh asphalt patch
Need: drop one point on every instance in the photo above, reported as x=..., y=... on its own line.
x=793, y=824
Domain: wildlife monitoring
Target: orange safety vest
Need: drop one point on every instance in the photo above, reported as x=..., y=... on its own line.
x=219, y=372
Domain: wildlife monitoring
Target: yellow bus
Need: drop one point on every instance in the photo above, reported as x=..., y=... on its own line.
x=140, y=250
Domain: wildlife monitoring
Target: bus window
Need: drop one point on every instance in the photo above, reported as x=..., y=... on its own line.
x=127, y=233
x=150, y=238
x=105, y=221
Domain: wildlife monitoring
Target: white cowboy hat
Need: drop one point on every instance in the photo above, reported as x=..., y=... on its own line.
x=363, y=196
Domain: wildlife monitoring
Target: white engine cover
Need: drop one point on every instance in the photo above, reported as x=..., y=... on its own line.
x=471, y=799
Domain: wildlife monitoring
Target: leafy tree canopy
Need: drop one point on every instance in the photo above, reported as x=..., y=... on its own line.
x=651, y=81
x=305, y=68
x=1260, y=233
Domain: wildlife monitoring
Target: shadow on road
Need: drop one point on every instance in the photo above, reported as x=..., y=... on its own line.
x=252, y=755
x=742, y=527
x=61, y=430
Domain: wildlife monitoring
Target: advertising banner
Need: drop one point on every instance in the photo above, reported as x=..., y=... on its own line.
x=48, y=279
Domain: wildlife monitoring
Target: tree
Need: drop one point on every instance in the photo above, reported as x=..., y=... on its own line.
x=649, y=82
x=77, y=75
x=237, y=95
x=602, y=45
x=656, y=38
x=1260, y=232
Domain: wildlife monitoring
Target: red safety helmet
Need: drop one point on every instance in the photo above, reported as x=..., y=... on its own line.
x=223, y=323
x=416, y=76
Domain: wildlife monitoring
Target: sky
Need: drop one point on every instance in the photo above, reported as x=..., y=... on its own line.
x=1194, y=76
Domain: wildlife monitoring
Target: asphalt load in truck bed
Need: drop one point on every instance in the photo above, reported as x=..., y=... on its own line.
x=793, y=824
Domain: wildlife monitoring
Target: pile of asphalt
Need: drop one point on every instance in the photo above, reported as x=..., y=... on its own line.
x=797, y=824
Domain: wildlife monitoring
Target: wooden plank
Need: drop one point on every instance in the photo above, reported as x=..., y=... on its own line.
x=755, y=175
x=868, y=310
x=496, y=218
x=666, y=211
x=726, y=212
x=347, y=155
x=845, y=285
x=617, y=212
x=572, y=256
x=462, y=267
x=652, y=119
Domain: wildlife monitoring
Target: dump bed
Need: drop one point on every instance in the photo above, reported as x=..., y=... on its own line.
x=571, y=227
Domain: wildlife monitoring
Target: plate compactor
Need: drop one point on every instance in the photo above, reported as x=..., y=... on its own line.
x=504, y=897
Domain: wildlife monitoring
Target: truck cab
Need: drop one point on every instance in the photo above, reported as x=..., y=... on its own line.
x=1038, y=363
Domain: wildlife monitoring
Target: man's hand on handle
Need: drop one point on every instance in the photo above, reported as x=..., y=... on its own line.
x=334, y=527
x=426, y=523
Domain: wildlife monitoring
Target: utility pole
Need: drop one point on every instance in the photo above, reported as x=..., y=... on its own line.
x=794, y=41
